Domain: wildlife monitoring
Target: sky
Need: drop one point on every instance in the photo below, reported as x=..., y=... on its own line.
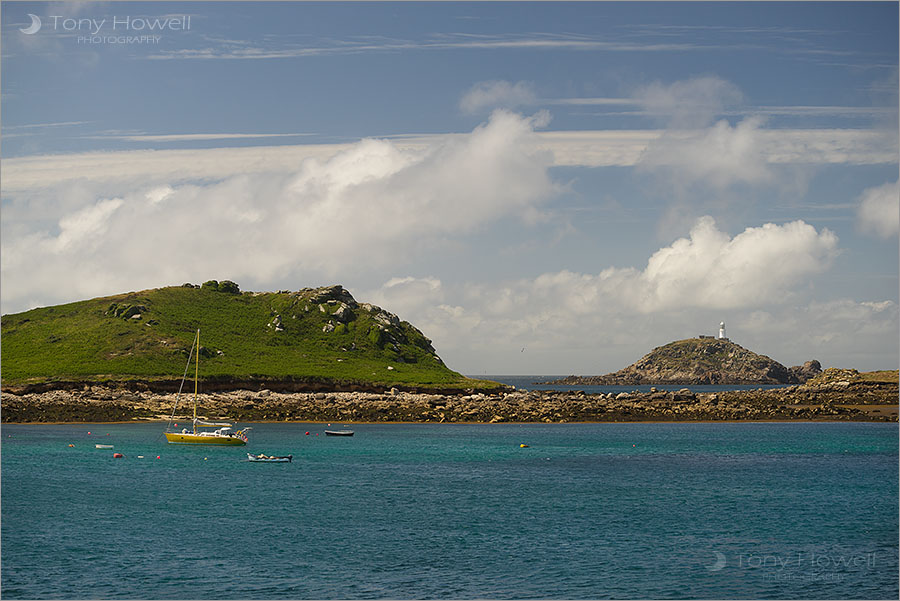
x=540, y=187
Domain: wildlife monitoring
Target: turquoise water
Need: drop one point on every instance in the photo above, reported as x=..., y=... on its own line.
x=734, y=510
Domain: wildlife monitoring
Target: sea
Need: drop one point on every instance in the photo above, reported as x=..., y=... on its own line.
x=788, y=510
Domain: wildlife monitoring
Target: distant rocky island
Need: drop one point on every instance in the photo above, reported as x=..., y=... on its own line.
x=703, y=360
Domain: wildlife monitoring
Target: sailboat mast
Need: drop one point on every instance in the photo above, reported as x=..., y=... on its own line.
x=196, y=376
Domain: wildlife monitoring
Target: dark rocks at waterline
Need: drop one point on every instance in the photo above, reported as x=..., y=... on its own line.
x=855, y=402
x=64, y=406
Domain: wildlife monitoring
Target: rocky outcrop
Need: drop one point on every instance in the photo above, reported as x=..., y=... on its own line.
x=808, y=370
x=857, y=401
x=701, y=361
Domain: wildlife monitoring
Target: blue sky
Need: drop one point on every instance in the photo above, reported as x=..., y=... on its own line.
x=540, y=187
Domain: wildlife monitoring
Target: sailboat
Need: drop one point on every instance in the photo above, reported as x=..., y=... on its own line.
x=222, y=435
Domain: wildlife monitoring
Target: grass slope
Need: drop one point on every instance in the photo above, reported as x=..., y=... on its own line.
x=243, y=335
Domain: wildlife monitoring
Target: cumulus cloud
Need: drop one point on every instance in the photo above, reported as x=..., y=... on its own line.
x=685, y=289
x=489, y=95
x=709, y=269
x=879, y=210
x=374, y=203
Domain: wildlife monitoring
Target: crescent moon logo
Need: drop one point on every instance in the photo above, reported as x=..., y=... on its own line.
x=34, y=27
x=718, y=564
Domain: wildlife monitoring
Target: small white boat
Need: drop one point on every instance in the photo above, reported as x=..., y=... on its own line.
x=262, y=457
x=338, y=432
x=103, y=446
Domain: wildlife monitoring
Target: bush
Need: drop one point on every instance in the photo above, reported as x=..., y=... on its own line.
x=229, y=287
x=210, y=285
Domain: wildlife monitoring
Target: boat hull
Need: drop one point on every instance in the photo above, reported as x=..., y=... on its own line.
x=190, y=438
x=259, y=459
x=338, y=432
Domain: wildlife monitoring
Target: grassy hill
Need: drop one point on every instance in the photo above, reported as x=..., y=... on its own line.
x=315, y=335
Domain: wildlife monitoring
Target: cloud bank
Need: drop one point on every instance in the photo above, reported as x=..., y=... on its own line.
x=758, y=281
x=371, y=204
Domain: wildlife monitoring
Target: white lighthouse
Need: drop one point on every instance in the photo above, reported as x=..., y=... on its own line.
x=722, y=335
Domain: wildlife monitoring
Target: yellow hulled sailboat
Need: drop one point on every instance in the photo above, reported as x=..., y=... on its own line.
x=222, y=435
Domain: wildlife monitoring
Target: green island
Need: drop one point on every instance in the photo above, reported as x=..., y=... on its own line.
x=311, y=339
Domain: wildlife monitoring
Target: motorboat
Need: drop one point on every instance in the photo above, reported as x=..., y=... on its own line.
x=263, y=458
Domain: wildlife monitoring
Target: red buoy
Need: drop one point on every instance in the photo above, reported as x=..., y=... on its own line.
x=118, y=455
x=307, y=433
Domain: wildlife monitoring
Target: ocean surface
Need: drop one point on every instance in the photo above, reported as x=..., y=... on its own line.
x=532, y=383
x=585, y=511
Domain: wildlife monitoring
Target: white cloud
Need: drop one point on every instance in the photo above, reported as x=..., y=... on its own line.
x=709, y=269
x=699, y=149
x=406, y=295
x=758, y=266
x=489, y=95
x=374, y=203
x=85, y=226
x=879, y=210
x=690, y=103
x=718, y=156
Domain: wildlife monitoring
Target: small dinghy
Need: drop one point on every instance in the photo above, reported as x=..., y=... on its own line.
x=263, y=458
x=338, y=432
x=103, y=446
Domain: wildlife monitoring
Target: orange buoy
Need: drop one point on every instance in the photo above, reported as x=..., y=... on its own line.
x=71, y=445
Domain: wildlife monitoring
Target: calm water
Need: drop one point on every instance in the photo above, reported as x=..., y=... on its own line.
x=761, y=510
x=530, y=383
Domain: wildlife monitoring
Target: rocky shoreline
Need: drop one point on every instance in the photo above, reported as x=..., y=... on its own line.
x=832, y=401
